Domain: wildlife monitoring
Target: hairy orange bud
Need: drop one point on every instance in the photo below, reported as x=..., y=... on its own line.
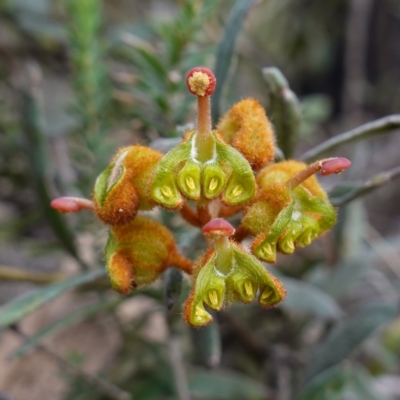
x=281, y=172
x=138, y=252
x=124, y=187
x=270, y=201
x=246, y=127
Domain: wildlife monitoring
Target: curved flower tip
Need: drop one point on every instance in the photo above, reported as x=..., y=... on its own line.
x=335, y=166
x=71, y=204
x=218, y=227
x=201, y=81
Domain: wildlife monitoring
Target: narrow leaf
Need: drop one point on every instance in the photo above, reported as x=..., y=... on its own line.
x=382, y=125
x=225, y=50
x=172, y=286
x=283, y=109
x=362, y=189
x=303, y=296
x=24, y=305
x=224, y=385
x=206, y=343
x=346, y=336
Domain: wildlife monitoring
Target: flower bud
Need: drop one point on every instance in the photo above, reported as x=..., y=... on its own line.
x=291, y=209
x=124, y=187
x=138, y=252
x=246, y=127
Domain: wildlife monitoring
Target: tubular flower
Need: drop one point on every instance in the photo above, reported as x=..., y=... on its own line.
x=226, y=274
x=203, y=167
x=283, y=207
x=291, y=209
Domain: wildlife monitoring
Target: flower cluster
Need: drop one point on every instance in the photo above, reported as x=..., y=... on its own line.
x=212, y=175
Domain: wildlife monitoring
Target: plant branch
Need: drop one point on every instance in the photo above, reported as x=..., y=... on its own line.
x=374, y=183
x=382, y=125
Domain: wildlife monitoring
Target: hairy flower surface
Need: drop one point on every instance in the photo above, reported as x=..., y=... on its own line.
x=138, y=252
x=203, y=167
x=222, y=173
x=287, y=215
x=246, y=120
x=226, y=274
x=124, y=187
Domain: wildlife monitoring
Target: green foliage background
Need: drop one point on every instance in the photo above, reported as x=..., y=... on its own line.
x=81, y=78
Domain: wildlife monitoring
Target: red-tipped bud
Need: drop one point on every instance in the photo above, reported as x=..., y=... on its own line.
x=218, y=227
x=71, y=204
x=201, y=81
x=335, y=166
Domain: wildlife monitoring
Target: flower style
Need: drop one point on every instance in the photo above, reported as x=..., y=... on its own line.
x=223, y=172
x=203, y=167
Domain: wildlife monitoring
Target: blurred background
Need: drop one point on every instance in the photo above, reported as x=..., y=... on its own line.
x=81, y=78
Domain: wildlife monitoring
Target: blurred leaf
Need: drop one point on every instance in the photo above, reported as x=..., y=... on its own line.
x=172, y=286
x=225, y=50
x=315, y=110
x=363, y=384
x=302, y=296
x=283, y=109
x=342, y=382
x=65, y=322
x=382, y=125
x=37, y=153
x=368, y=186
x=225, y=385
x=342, y=190
x=341, y=279
x=347, y=335
x=206, y=343
x=25, y=304
x=325, y=384
x=33, y=6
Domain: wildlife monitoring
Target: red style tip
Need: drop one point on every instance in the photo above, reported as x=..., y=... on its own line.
x=335, y=166
x=71, y=204
x=218, y=226
x=201, y=81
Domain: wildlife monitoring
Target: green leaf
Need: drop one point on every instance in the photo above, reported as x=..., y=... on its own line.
x=303, y=296
x=37, y=153
x=65, y=322
x=206, y=343
x=172, y=286
x=347, y=335
x=329, y=381
x=284, y=110
x=24, y=305
x=224, y=385
x=382, y=125
x=225, y=50
x=342, y=381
